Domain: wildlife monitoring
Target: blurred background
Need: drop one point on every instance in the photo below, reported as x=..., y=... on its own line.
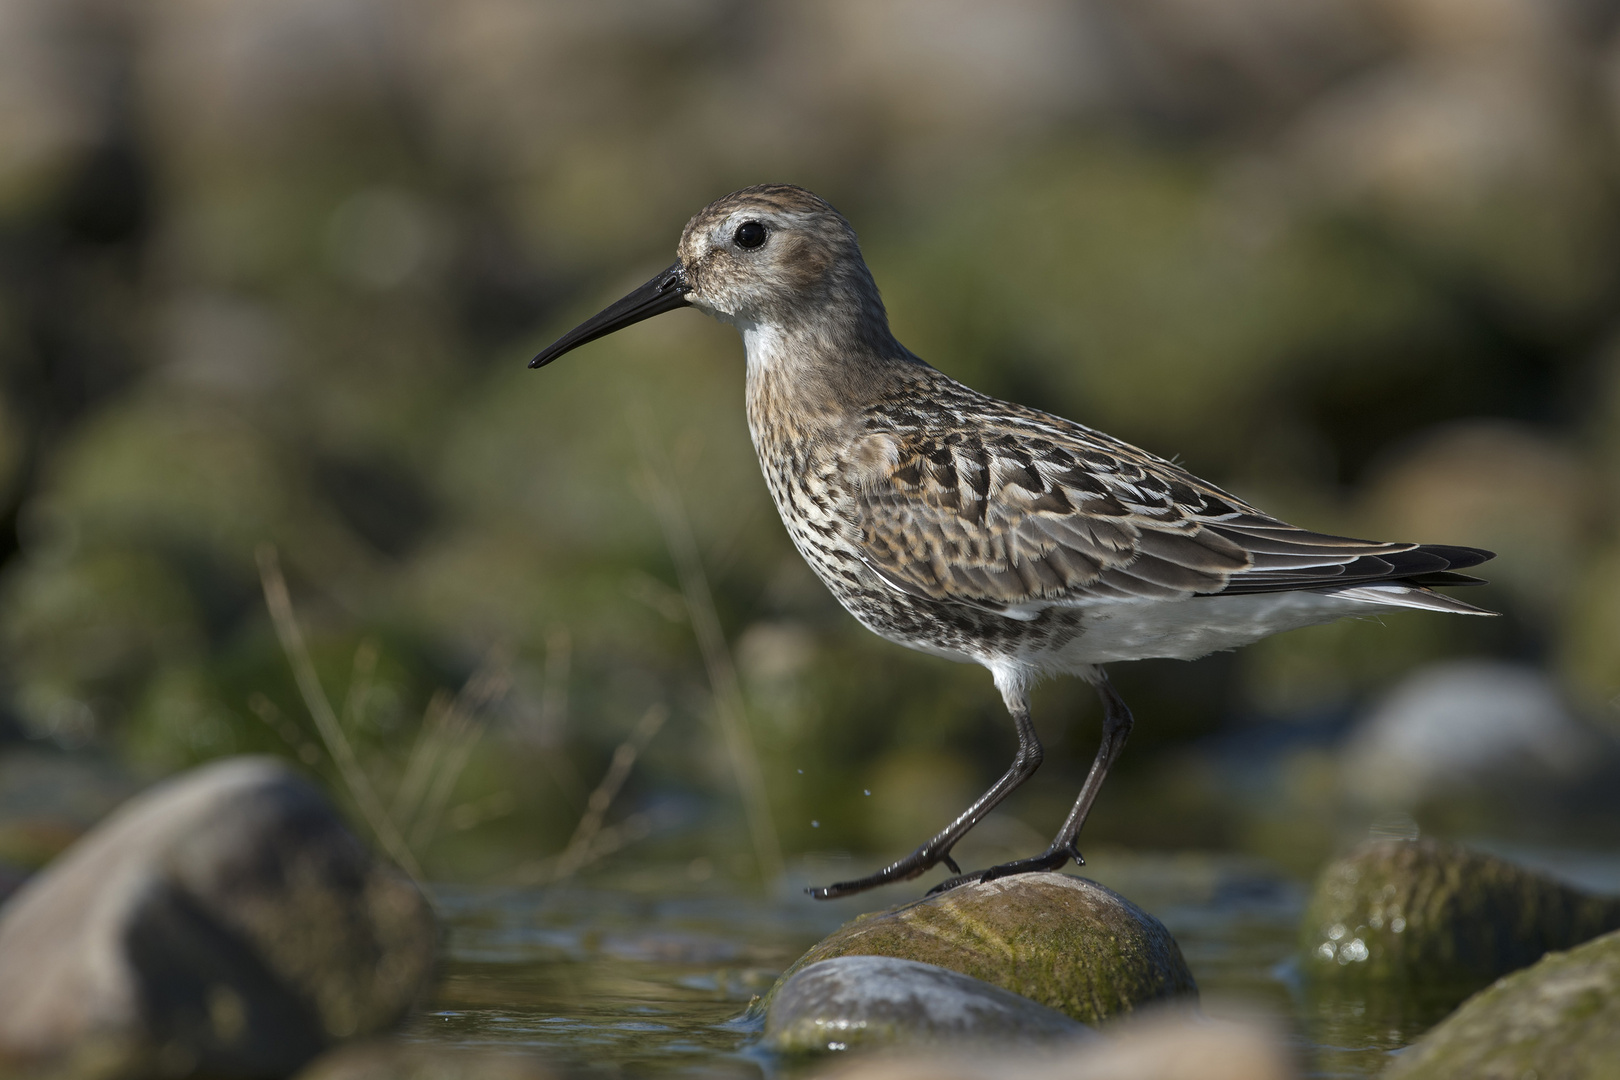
x=270, y=272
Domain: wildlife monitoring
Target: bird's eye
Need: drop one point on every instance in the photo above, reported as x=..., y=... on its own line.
x=750, y=234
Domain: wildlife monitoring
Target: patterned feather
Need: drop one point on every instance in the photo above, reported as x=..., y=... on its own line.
x=1006, y=508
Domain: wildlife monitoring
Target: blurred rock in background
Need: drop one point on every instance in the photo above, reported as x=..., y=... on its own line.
x=222, y=923
x=269, y=272
x=1487, y=746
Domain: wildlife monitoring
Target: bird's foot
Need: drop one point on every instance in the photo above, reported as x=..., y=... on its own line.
x=918, y=862
x=1050, y=859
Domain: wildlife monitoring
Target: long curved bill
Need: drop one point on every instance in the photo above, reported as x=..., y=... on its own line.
x=665, y=292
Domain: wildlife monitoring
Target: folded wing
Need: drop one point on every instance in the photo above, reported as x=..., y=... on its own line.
x=1021, y=516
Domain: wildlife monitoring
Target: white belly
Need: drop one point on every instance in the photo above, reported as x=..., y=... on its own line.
x=1188, y=629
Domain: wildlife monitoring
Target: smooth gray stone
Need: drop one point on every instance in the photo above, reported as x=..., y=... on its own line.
x=880, y=1000
x=1471, y=726
x=225, y=922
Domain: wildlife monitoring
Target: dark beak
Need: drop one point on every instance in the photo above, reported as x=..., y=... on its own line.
x=665, y=292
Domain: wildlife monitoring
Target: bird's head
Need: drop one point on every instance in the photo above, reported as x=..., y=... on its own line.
x=768, y=256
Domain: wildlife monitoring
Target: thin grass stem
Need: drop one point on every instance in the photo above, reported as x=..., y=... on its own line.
x=663, y=496
x=360, y=683
x=291, y=636
x=425, y=751
x=463, y=727
x=596, y=807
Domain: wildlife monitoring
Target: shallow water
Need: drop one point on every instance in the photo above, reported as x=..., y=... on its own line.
x=648, y=974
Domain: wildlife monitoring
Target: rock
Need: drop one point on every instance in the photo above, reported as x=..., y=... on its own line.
x=1560, y=1018
x=1472, y=725
x=851, y=1001
x=1172, y=1047
x=1419, y=910
x=1062, y=941
x=390, y=1059
x=225, y=921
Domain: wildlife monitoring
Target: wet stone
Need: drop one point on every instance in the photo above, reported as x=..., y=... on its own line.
x=1062, y=941
x=852, y=1001
x=1558, y=1019
x=225, y=922
x=1165, y=1044
x=1422, y=911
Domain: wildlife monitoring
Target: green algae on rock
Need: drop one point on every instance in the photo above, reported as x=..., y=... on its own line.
x=862, y=1001
x=1558, y=1019
x=1418, y=910
x=1062, y=941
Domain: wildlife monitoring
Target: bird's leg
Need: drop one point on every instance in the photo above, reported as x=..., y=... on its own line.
x=938, y=849
x=1116, y=728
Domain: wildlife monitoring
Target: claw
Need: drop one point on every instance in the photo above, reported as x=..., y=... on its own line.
x=907, y=868
x=950, y=883
x=918, y=862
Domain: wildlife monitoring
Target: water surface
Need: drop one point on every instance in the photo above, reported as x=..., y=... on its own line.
x=647, y=974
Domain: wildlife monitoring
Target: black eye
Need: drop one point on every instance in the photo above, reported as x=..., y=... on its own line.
x=750, y=234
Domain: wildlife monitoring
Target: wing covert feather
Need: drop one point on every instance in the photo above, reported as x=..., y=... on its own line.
x=1012, y=514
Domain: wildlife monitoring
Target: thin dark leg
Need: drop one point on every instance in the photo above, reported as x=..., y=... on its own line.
x=938, y=850
x=1116, y=728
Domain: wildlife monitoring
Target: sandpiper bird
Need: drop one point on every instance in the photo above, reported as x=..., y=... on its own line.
x=981, y=530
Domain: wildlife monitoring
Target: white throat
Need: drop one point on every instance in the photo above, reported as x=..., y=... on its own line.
x=764, y=344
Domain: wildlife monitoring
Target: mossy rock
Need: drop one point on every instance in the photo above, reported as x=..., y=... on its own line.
x=1422, y=911
x=1062, y=941
x=1557, y=1020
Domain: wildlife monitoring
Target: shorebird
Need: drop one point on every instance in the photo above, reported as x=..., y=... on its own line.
x=981, y=530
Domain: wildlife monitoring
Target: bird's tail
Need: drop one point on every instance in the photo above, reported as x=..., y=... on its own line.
x=1392, y=594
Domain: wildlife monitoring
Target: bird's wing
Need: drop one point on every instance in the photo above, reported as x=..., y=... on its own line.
x=1035, y=511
